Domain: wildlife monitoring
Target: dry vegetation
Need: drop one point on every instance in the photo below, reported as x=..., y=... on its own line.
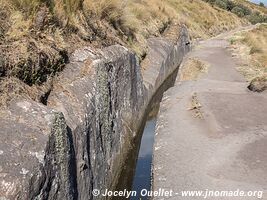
x=192, y=69
x=195, y=106
x=251, y=47
x=244, y=9
x=252, y=6
x=37, y=36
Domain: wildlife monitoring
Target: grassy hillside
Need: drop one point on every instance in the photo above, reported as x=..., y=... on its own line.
x=251, y=47
x=252, y=6
x=242, y=8
x=37, y=36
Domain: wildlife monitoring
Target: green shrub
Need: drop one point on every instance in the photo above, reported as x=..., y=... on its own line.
x=221, y=4
x=254, y=50
x=262, y=4
x=227, y=4
x=238, y=11
x=232, y=41
x=210, y=1
x=256, y=17
x=245, y=9
x=230, y=5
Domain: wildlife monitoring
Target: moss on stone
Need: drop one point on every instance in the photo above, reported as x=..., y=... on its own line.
x=62, y=153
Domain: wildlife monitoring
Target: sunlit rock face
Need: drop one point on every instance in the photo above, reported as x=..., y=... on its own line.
x=79, y=141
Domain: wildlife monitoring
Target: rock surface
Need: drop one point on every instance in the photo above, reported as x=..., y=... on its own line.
x=212, y=133
x=258, y=84
x=78, y=142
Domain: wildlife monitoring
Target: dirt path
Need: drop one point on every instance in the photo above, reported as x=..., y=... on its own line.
x=212, y=132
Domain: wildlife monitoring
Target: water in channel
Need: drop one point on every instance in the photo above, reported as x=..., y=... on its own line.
x=142, y=177
x=136, y=173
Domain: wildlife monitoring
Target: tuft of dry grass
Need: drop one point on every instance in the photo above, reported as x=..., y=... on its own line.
x=192, y=69
x=251, y=47
x=104, y=8
x=19, y=26
x=28, y=6
x=257, y=41
x=13, y=88
x=195, y=106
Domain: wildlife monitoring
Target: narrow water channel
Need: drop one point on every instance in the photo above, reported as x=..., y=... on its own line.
x=136, y=173
x=142, y=177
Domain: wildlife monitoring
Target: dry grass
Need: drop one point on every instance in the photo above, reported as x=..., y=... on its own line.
x=139, y=18
x=192, y=69
x=195, y=106
x=13, y=88
x=257, y=41
x=28, y=6
x=148, y=17
x=106, y=22
x=104, y=8
x=208, y=23
x=252, y=6
x=251, y=47
x=37, y=36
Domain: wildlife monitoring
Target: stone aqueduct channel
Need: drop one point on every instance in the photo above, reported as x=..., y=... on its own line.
x=80, y=140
